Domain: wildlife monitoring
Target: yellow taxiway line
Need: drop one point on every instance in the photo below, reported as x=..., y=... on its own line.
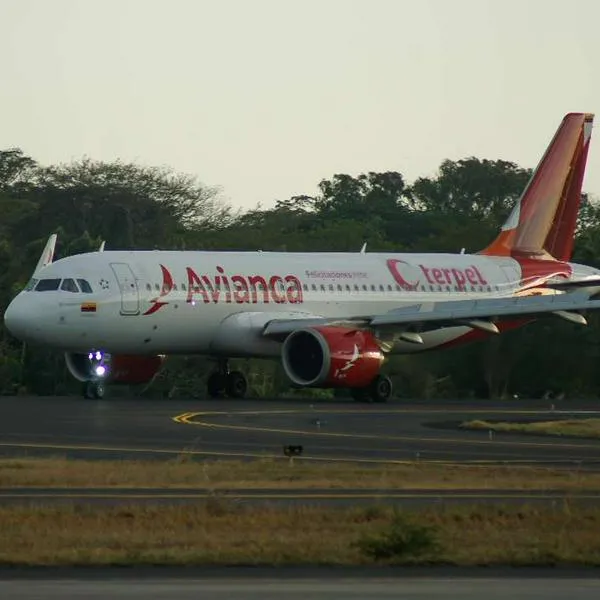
x=192, y=418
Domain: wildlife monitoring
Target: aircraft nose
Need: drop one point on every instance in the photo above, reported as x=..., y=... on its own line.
x=16, y=318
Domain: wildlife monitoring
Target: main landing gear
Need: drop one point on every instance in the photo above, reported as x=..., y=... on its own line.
x=224, y=382
x=379, y=390
x=93, y=389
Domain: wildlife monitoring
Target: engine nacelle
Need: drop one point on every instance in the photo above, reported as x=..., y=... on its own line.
x=331, y=357
x=126, y=369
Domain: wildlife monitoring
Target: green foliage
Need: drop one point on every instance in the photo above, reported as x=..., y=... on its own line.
x=133, y=206
x=401, y=540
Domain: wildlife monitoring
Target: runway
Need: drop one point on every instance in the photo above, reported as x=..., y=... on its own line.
x=273, y=585
x=335, y=431
x=331, y=497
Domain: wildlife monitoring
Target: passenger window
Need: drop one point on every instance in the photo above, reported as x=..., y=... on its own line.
x=47, y=285
x=148, y=287
x=86, y=288
x=182, y=287
x=69, y=285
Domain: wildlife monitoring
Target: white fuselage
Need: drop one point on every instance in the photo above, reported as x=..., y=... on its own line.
x=162, y=302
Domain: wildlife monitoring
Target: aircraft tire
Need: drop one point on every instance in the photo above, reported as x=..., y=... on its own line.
x=93, y=390
x=236, y=385
x=87, y=390
x=99, y=390
x=215, y=385
x=381, y=389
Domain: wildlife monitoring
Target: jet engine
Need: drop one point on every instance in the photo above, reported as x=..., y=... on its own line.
x=331, y=357
x=126, y=369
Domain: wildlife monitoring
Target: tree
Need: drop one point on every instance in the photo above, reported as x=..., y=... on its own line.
x=133, y=206
x=130, y=206
x=478, y=189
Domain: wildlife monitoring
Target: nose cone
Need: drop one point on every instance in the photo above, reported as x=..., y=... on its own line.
x=17, y=318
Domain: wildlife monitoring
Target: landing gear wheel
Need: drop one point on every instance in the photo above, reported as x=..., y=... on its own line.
x=236, y=385
x=215, y=386
x=381, y=389
x=93, y=390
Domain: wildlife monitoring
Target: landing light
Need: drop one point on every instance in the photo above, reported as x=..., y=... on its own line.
x=100, y=370
x=98, y=355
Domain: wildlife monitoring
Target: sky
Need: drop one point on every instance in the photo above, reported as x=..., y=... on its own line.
x=265, y=98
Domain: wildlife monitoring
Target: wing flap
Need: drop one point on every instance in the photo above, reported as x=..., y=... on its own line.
x=453, y=312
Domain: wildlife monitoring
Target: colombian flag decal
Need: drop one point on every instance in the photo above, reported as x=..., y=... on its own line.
x=88, y=307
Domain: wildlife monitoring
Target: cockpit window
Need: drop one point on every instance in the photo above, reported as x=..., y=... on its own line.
x=69, y=285
x=47, y=285
x=86, y=288
x=31, y=284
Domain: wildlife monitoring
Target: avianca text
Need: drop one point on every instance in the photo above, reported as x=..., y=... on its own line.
x=243, y=289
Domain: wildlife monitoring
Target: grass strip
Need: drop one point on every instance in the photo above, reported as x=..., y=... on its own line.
x=283, y=474
x=586, y=428
x=221, y=532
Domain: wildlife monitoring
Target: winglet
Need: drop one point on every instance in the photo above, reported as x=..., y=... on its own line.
x=48, y=254
x=364, y=248
x=543, y=220
x=101, y=249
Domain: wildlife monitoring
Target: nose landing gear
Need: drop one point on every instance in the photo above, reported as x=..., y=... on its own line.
x=98, y=367
x=93, y=390
x=224, y=382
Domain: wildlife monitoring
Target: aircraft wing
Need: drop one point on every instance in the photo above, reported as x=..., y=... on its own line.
x=479, y=314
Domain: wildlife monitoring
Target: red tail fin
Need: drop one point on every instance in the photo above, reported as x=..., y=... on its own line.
x=542, y=223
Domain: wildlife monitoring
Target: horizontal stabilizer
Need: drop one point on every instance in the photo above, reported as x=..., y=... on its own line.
x=573, y=284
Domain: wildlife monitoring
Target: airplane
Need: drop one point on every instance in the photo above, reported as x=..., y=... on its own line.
x=330, y=318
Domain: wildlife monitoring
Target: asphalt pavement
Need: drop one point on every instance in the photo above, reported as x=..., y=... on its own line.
x=341, y=431
x=274, y=587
